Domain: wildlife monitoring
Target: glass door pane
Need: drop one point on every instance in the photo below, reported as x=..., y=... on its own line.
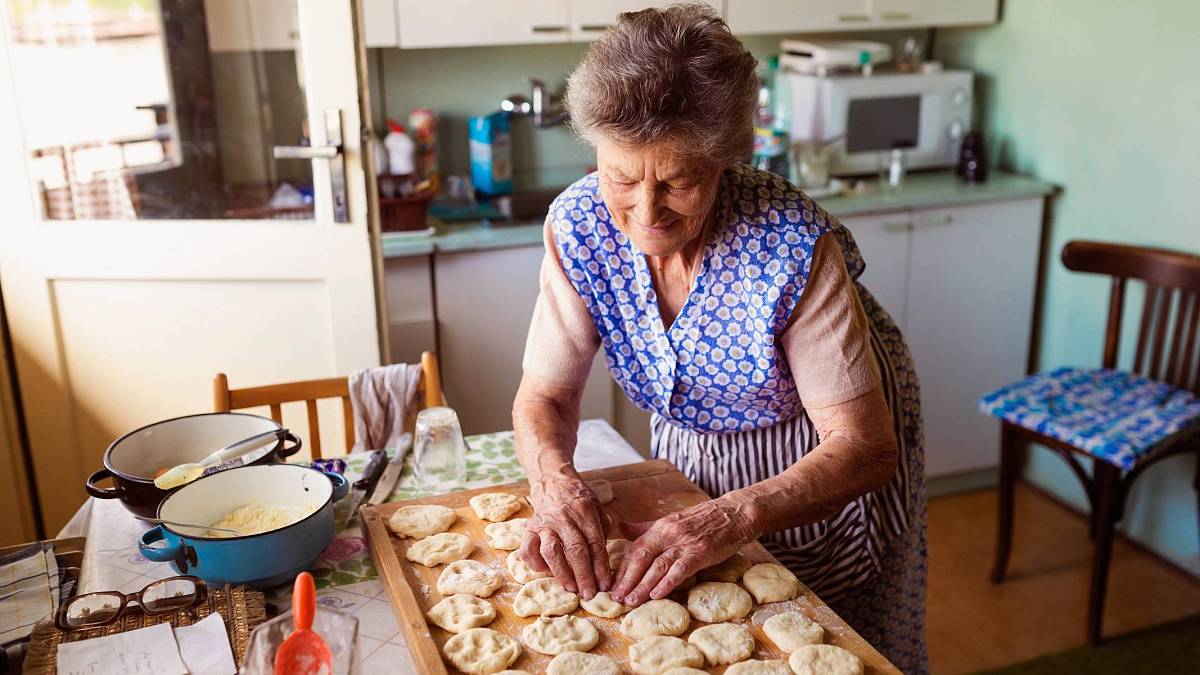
x=161, y=109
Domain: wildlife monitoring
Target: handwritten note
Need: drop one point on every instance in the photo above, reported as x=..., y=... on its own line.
x=146, y=651
x=204, y=647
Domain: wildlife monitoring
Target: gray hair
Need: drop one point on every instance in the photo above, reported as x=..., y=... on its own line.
x=675, y=75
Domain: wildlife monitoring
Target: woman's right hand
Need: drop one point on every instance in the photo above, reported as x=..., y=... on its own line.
x=566, y=536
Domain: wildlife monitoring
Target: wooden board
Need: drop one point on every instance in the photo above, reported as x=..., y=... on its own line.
x=642, y=491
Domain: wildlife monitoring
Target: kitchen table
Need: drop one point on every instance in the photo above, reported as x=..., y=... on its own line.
x=346, y=577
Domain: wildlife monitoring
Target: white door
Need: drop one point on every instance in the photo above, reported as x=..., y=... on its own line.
x=151, y=239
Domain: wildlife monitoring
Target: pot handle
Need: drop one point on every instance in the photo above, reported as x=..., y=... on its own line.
x=99, y=492
x=157, y=553
x=287, y=451
x=341, y=485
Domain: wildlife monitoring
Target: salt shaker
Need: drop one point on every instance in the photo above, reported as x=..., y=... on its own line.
x=896, y=169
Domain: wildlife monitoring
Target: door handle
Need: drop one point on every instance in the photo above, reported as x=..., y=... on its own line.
x=330, y=152
x=897, y=226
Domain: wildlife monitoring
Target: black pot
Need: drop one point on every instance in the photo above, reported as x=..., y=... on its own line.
x=134, y=459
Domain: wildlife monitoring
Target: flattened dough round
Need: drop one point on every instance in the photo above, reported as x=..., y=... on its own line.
x=469, y=576
x=506, y=536
x=555, y=635
x=603, y=606
x=616, y=552
x=544, y=596
x=729, y=570
x=683, y=670
x=824, y=660
x=580, y=663
x=441, y=548
x=771, y=582
x=760, y=667
x=660, y=653
x=421, y=520
x=461, y=612
x=792, y=630
x=723, y=643
x=481, y=651
x=495, y=506
x=521, y=572
x=657, y=617
x=514, y=672
x=602, y=488
x=715, y=601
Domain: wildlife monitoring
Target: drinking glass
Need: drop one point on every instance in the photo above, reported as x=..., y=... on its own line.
x=439, y=452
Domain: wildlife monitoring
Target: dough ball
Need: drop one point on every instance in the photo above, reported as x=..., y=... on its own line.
x=481, y=651
x=792, y=630
x=760, y=667
x=440, y=548
x=544, y=596
x=580, y=663
x=602, y=488
x=660, y=653
x=495, y=506
x=521, y=572
x=657, y=617
x=771, y=582
x=616, y=552
x=469, y=576
x=506, y=536
x=715, y=601
x=514, y=672
x=603, y=606
x=461, y=612
x=723, y=643
x=422, y=520
x=824, y=660
x=729, y=570
x=560, y=634
x=683, y=670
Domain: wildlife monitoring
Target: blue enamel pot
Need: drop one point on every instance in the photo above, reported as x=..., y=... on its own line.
x=260, y=560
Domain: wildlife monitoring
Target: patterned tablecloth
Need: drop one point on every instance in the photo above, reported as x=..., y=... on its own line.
x=346, y=577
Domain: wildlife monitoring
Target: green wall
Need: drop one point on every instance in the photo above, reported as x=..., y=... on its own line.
x=1102, y=98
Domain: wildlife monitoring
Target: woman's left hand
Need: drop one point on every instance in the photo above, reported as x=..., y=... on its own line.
x=672, y=548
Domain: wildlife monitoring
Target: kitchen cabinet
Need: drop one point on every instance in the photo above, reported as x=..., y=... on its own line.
x=590, y=18
x=379, y=23
x=484, y=303
x=801, y=16
x=919, y=13
x=408, y=292
x=461, y=23
x=272, y=25
x=885, y=242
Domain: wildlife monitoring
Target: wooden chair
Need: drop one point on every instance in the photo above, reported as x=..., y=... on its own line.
x=1166, y=354
x=310, y=391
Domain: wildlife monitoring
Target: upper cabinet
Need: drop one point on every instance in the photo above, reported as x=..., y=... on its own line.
x=803, y=16
x=590, y=18
x=462, y=23
x=251, y=25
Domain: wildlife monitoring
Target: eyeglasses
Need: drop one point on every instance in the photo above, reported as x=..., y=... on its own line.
x=161, y=597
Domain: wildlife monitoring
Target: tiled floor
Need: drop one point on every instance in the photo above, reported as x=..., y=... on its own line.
x=1040, y=608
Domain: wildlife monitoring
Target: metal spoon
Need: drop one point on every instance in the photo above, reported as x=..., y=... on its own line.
x=162, y=521
x=190, y=471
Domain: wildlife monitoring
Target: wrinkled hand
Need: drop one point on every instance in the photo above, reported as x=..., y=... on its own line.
x=672, y=548
x=566, y=536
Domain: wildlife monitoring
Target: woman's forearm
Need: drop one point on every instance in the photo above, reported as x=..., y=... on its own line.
x=857, y=454
x=545, y=421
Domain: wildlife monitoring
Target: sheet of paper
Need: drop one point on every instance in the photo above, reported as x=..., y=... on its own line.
x=145, y=651
x=204, y=647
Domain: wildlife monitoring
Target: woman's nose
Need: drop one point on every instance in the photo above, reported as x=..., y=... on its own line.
x=647, y=208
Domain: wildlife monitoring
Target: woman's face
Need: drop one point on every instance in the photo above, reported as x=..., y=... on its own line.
x=659, y=200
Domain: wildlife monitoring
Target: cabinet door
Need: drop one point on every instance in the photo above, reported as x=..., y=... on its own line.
x=590, y=18
x=408, y=298
x=970, y=313
x=885, y=241
x=793, y=16
x=909, y=13
x=379, y=23
x=484, y=303
x=459, y=23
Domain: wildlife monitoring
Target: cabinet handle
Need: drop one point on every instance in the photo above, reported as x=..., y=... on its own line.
x=944, y=219
x=595, y=27
x=904, y=226
x=853, y=18
x=548, y=29
x=896, y=16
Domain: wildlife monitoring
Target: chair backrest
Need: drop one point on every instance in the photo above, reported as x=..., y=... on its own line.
x=429, y=395
x=1167, y=330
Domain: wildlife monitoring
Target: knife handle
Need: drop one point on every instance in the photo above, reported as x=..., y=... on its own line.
x=373, y=471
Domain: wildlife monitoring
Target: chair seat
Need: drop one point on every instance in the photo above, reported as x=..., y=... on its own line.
x=1116, y=416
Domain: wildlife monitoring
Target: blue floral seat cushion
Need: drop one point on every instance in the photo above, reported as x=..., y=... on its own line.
x=1116, y=416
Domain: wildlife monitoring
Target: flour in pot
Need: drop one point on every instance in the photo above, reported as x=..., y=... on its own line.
x=256, y=518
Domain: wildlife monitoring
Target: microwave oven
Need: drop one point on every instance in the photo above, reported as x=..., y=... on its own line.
x=863, y=117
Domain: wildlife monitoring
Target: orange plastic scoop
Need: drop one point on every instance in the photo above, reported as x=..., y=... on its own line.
x=304, y=652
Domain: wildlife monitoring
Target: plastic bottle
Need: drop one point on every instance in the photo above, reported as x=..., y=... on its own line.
x=770, y=133
x=400, y=150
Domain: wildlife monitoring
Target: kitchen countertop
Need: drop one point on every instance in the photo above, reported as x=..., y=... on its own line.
x=920, y=191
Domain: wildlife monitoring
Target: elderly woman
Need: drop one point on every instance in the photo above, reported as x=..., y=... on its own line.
x=726, y=304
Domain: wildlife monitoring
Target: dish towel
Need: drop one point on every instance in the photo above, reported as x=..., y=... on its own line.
x=381, y=398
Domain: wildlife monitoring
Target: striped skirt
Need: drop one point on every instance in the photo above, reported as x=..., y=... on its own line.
x=868, y=561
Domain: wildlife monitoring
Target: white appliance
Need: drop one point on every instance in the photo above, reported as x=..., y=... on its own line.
x=866, y=116
x=822, y=57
